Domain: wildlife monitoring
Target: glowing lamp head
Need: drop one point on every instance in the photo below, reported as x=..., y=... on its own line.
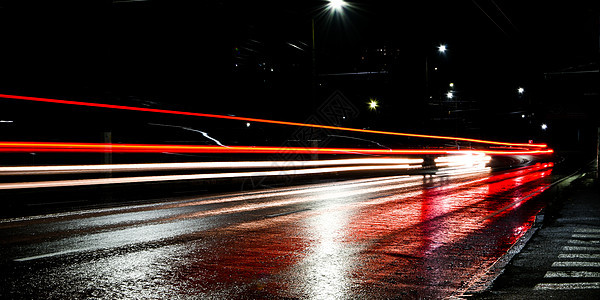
x=373, y=104
x=336, y=5
x=520, y=90
x=449, y=95
x=442, y=48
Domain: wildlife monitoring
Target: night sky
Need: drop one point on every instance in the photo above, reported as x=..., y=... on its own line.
x=217, y=56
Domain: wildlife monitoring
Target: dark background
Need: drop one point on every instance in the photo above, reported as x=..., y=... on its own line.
x=254, y=58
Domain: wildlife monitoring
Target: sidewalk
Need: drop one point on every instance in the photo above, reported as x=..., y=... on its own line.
x=562, y=259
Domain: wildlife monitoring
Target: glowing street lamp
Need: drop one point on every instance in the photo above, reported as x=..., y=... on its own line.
x=336, y=5
x=521, y=90
x=373, y=104
x=544, y=126
x=450, y=95
x=442, y=48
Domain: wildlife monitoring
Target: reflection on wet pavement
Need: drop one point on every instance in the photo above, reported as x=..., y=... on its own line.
x=401, y=236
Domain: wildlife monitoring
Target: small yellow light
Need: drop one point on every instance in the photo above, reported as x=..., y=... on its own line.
x=373, y=104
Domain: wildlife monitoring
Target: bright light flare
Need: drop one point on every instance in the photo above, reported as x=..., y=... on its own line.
x=373, y=104
x=336, y=5
x=442, y=48
x=467, y=159
x=462, y=164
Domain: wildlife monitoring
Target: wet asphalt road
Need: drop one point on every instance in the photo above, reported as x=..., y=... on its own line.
x=388, y=237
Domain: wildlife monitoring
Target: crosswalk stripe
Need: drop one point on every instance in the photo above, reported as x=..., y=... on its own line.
x=580, y=242
x=588, y=230
x=579, y=255
x=586, y=236
x=571, y=274
x=580, y=248
x=575, y=219
x=593, y=264
x=567, y=286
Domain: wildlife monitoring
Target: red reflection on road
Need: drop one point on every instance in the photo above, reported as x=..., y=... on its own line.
x=447, y=236
x=428, y=238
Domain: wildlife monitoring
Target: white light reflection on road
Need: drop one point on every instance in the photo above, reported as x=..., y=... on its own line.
x=325, y=271
x=114, y=239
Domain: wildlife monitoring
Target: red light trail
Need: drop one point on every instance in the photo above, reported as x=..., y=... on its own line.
x=174, y=112
x=158, y=148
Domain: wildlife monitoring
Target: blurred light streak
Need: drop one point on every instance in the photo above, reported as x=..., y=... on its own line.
x=470, y=159
x=161, y=148
x=462, y=164
x=71, y=169
x=193, y=130
x=143, y=179
x=174, y=112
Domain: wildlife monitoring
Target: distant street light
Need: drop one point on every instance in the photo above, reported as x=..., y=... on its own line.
x=544, y=126
x=442, y=48
x=373, y=104
x=449, y=95
x=521, y=90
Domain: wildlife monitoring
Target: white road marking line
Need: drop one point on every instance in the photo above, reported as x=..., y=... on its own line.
x=571, y=274
x=580, y=248
x=579, y=255
x=567, y=286
x=570, y=264
x=586, y=236
x=53, y=254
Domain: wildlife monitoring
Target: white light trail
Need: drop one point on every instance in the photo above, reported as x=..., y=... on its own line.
x=164, y=178
x=193, y=130
x=147, y=167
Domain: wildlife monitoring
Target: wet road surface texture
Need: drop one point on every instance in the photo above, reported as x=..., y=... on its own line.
x=387, y=237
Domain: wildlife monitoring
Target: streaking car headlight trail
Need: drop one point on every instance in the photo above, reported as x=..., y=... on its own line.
x=149, y=167
x=203, y=176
